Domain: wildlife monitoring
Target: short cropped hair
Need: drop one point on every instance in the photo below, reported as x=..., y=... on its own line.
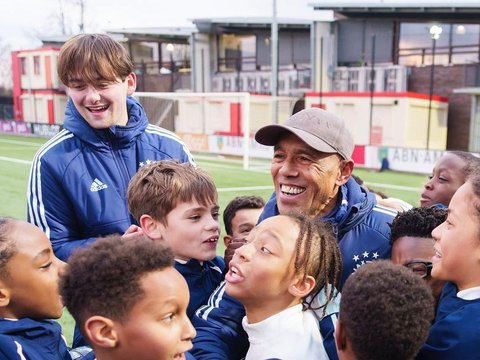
x=94, y=59
x=104, y=278
x=473, y=177
x=317, y=254
x=386, y=311
x=240, y=203
x=157, y=188
x=418, y=222
x=7, y=245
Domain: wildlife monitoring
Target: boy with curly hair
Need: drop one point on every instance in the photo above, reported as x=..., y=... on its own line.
x=385, y=313
x=129, y=300
x=177, y=203
x=412, y=242
x=29, y=295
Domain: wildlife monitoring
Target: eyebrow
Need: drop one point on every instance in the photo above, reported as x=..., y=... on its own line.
x=300, y=150
x=275, y=238
x=42, y=253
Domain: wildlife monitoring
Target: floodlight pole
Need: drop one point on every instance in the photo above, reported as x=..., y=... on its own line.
x=274, y=54
x=435, y=32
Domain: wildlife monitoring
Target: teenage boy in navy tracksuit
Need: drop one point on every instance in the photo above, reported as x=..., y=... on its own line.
x=79, y=178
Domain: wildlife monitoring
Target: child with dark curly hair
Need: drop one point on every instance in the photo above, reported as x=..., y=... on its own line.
x=29, y=295
x=412, y=242
x=455, y=334
x=178, y=204
x=278, y=275
x=129, y=300
x=385, y=313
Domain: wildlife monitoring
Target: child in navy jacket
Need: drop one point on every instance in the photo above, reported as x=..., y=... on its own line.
x=128, y=300
x=177, y=203
x=29, y=295
x=455, y=333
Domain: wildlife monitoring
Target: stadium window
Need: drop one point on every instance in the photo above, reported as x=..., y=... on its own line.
x=36, y=65
x=23, y=65
x=237, y=52
x=458, y=44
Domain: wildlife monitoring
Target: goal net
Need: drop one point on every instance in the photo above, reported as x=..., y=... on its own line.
x=219, y=123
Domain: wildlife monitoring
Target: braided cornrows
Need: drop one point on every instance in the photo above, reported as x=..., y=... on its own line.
x=317, y=255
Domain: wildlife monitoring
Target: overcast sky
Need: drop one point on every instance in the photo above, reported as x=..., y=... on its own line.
x=21, y=21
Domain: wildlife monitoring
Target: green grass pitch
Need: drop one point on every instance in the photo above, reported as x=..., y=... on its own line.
x=16, y=153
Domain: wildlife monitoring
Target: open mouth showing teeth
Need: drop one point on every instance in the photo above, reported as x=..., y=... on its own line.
x=211, y=240
x=98, y=108
x=291, y=190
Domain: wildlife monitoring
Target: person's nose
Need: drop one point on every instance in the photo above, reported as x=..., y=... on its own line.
x=429, y=184
x=188, y=331
x=93, y=94
x=245, y=252
x=288, y=168
x=212, y=224
x=61, y=266
x=436, y=233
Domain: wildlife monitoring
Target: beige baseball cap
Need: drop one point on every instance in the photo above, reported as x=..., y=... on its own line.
x=318, y=128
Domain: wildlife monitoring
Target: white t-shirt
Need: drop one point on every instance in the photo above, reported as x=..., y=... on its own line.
x=289, y=335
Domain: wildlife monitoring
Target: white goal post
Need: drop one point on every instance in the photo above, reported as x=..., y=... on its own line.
x=220, y=123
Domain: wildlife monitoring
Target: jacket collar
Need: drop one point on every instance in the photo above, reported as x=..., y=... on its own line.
x=115, y=135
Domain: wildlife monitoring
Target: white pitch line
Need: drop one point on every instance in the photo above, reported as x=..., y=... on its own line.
x=18, y=161
x=245, y=188
x=263, y=187
x=394, y=187
x=17, y=142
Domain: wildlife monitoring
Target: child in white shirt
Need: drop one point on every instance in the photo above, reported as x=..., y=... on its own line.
x=285, y=264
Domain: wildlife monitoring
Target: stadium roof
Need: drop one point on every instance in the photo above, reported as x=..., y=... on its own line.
x=220, y=24
x=403, y=10
x=162, y=34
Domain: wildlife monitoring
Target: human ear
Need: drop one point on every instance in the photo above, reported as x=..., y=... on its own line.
x=151, y=227
x=131, y=83
x=101, y=331
x=340, y=336
x=345, y=171
x=4, y=295
x=227, y=239
x=302, y=287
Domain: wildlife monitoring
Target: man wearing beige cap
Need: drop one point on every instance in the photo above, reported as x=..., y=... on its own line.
x=311, y=168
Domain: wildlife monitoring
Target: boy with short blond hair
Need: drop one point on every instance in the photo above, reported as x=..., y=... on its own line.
x=177, y=203
x=128, y=300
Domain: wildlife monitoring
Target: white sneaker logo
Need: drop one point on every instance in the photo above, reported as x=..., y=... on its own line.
x=97, y=185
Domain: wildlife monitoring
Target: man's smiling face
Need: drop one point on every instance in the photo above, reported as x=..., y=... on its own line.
x=306, y=180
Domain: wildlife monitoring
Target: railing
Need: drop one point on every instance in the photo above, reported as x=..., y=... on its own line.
x=358, y=79
x=164, y=67
x=443, y=54
x=292, y=79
